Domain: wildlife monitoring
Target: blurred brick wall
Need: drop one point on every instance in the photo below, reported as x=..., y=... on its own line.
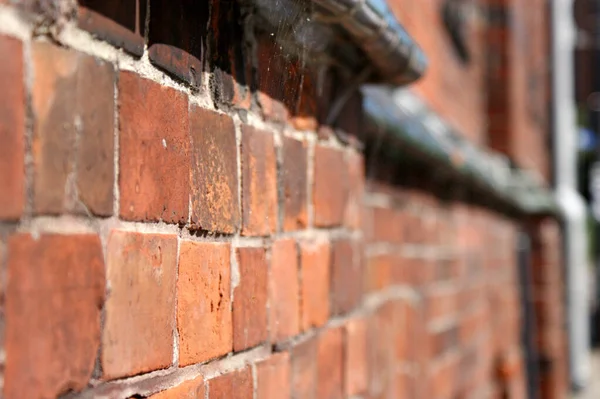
x=177, y=221
x=518, y=82
x=453, y=268
x=454, y=88
x=499, y=97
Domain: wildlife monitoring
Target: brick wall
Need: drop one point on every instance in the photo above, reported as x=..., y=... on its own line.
x=449, y=267
x=518, y=82
x=176, y=221
x=454, y=88
x=499, y=96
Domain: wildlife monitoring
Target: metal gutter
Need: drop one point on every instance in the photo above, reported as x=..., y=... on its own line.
x=352, y=33
x=572, y=205
x=402, y=116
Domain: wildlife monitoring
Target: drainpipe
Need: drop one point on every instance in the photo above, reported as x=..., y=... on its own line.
x=570, y=202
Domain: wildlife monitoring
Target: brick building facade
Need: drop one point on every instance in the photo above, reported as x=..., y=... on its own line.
x=181, y=216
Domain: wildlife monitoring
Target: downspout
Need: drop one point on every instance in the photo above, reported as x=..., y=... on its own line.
x=570, y=202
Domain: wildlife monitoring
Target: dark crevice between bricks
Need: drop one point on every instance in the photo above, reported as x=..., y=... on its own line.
x=121, y=23
x=177, y=38
x=203, y=233
x=228, y=58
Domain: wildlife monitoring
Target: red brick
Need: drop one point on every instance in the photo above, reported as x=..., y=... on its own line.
x=234, y=385
x=204, y=320
x=355, y=357
x=356, y=187
x=381, y=360
x=443, y=378
x=346, y=277
x=304, y=370
x=215, y=205
x=191, y=389
x=12, y=129
x=284, y=304
x=330, y=366
x=330, y=191
x=388, y=225
x=140, y=309
x=441, y=304
x=250, y=299
x=273, y=377
x=54, y=296
x=73, y=132
x=403, y=331
x=120, y=23
x=294, y=180
x=154, y=161
x=259, y=183
x=95, y=155
x=315, y=258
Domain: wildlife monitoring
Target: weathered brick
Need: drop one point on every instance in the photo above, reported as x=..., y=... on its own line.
x=233, y=385
x=304, y=369
x=381, y=354
x=315, y=260
x=388, y=225
x=355, y=357
x=330, y=366
x=259, y=182
x=330, y=191
x=378, y=272
x=273, y=377
x=284, y=318
x=404, y=342
x=356, y=187
x=140, y=309
x=215, y=205
x=250, y=299
x=294, y=180
x=190, y=389
x=154, y=162
x=346, y=277
x=441, y=303
x=204, y=318
x=95, y=157
x=12, y=129
x=73, y=132
x=54, y=296
x=120, y=23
